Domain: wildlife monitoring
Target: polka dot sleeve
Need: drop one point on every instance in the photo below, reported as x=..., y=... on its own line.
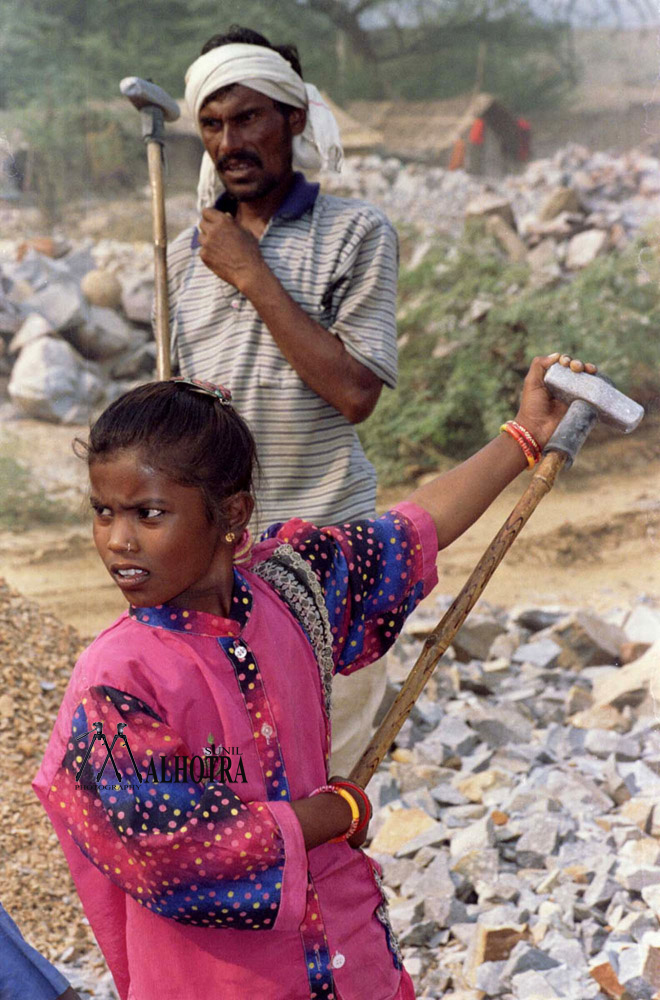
x=372, y=573
x=182, y=845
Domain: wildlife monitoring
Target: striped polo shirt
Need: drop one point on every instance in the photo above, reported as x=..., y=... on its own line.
x=337, y=258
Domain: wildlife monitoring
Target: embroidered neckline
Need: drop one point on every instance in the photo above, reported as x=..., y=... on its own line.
x=175, y=619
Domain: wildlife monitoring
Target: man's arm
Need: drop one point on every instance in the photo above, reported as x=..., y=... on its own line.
x=318, y=356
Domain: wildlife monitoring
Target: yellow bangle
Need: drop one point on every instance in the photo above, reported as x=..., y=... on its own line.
x=355, y=815
x=355, y=809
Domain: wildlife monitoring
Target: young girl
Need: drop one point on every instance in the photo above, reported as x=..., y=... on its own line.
x=246, y=883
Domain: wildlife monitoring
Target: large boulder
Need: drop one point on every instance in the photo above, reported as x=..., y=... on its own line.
x=51, y=381
x=137, y=296
x=34, y=327
x=102, y=336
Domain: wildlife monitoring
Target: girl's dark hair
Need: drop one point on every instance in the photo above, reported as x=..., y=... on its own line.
x=247, y=36
x=189, y=436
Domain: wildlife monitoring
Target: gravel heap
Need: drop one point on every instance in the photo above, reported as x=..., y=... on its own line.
x=37, y=654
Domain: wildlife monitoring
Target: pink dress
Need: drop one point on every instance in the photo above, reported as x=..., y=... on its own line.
x=201, y=887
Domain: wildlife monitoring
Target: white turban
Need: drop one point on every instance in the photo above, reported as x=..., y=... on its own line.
x=268, y=72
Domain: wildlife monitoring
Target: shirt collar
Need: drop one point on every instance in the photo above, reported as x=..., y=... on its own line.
x=300, y=199
x=174, y=619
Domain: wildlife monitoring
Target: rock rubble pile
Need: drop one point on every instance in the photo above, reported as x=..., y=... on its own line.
x=576, y=190
x=75, y=325
x=75, y=315
x=517, y=820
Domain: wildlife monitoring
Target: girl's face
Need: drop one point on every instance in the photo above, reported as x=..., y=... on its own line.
x=155, y=538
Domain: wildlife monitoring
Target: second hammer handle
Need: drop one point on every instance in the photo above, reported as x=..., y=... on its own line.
x=443, y=634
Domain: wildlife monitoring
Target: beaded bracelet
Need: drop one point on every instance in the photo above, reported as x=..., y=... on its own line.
x=355, y=789
x=355, y=809
x=525, y=440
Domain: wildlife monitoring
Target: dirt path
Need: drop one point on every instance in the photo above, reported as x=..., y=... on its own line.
x=594, y=541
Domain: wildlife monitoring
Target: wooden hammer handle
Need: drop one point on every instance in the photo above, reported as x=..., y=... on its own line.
x=443, y=634
x=162, y=324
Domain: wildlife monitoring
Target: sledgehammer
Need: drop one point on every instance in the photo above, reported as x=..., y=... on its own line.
x=156, y=107
x=590, y=398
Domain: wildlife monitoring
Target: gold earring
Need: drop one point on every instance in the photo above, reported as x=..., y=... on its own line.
x=230, y=537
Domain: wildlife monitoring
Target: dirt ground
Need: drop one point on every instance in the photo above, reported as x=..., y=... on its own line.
x=593, y=542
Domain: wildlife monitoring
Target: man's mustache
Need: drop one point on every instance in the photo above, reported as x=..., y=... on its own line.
x=249, y=158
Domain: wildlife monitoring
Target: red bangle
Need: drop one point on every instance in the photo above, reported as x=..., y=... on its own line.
x=368, y=810
x=525, y=440
x=529, y=438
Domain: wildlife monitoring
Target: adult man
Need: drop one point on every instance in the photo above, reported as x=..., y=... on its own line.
x=284, y=294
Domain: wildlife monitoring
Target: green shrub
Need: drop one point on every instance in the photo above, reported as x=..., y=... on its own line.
x=452, y=404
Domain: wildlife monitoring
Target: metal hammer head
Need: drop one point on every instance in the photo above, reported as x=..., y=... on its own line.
x=589, y=398
x=611, y=406
x=144, y=94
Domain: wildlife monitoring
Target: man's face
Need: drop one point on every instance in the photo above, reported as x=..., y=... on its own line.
x=249, y=141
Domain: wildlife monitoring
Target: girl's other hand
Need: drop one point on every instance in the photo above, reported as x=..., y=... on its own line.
x=539, y=412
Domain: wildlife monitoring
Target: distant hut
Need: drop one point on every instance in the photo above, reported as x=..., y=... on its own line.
x=474, y=131
x=356, y=135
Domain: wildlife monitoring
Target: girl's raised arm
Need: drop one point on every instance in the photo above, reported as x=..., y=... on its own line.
x=456, y=499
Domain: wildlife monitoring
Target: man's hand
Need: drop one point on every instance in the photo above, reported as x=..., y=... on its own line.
x=318, y=357
x=228, y=250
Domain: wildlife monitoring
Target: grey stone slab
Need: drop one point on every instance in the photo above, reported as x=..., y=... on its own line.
x=404, y=914
x=418, y=934
x=476, y=836
x=137, y=297
x=539, y=840
x=434, y=836
x=537, y=619
x=532, y=985
x=446, y=795
x=456, y=735
x=458, y=817
x=603, y=742
x=600, y=891
x=542, y=653
x=62, y=305
x=475, y=637
x=588, y=640
x=525, y=958
x=397, y=870
x=642, y=624
x=32, y=328
x=489, y=978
